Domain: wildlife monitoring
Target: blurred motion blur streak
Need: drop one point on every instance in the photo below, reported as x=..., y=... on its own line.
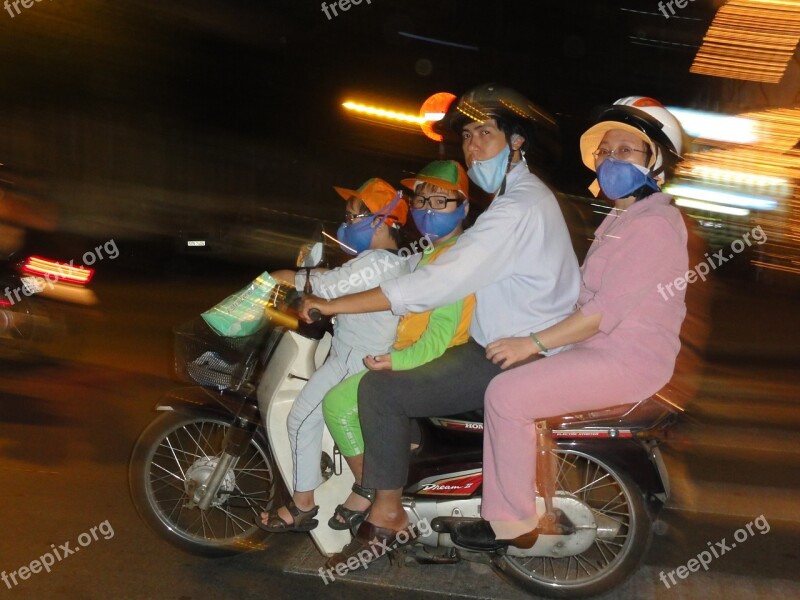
x=757, y=181
x=750, y=39
x=701, y=269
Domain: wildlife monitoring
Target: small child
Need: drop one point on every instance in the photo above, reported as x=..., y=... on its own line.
x=371, y=232
x=439, y=205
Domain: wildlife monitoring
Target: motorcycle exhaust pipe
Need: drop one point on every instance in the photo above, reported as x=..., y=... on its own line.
x=444, y=524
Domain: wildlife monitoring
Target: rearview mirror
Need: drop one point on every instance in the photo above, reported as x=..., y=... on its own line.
x=310, y=255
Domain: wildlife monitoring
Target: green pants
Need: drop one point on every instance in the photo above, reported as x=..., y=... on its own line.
x=340, y=408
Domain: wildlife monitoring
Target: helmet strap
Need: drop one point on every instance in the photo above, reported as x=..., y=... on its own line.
x=508, y=168
x=656, y=172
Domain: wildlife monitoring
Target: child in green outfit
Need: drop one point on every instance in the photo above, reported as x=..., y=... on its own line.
x=438, y=207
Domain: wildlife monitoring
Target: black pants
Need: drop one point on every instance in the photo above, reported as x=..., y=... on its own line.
x=388, y=401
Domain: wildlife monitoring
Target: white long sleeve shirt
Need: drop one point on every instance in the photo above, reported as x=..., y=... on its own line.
x=369, y=333
x=517, y=259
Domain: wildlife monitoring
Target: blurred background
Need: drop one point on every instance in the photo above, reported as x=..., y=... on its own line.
x=203, y=138
x=148, y=122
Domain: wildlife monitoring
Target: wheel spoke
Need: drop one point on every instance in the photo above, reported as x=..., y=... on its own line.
x=607, y=496
x=188, y=454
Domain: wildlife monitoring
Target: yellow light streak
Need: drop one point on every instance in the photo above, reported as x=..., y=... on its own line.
x=383, y=113
x=709, y=207
x=752, y=40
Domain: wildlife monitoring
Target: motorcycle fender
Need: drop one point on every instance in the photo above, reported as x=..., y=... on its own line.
x=196, y=401
x=193, y=400
x=639, y=460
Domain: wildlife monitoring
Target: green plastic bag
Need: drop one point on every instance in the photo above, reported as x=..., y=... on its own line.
x=242, y=313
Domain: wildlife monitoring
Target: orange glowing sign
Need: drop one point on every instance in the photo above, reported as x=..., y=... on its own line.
x=432, y=110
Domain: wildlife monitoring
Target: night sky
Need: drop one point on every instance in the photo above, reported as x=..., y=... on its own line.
x=242, y=97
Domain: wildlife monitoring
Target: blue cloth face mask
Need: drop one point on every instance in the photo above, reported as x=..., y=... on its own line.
x=619, y=179
x=435, y=224
x=358, y=236
x=488, y=174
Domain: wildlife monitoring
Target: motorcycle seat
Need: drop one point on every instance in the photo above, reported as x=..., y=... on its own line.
x=472, y=416
x=640, y=415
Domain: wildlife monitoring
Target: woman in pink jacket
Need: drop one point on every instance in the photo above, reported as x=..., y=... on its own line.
x=623, y=335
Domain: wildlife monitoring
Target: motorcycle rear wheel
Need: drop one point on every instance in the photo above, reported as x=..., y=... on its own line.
x=611, y=495
x=175, y=456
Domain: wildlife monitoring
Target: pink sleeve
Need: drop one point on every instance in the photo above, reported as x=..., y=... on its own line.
x=643, y=258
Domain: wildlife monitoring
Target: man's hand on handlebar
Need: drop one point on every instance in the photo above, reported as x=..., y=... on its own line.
x=312, y=307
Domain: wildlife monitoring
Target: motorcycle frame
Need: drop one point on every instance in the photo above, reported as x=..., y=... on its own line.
x=636, y=455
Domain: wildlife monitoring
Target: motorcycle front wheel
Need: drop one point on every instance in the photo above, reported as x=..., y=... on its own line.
x=170, y=465
x=624, y=534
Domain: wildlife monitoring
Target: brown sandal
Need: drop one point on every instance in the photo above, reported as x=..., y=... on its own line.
x=352, y=518
x=303, y=520
x=369, y=544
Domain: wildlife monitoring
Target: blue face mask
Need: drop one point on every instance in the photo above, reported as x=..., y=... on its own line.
x=357, y=236
x=488, y=174
x=435, y=224
x=619, y=179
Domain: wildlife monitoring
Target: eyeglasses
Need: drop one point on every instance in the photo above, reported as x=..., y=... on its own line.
x=621, y=153
x=436, y=202
x=350, y=217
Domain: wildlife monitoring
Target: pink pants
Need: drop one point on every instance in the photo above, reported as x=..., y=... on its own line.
x=576, y=380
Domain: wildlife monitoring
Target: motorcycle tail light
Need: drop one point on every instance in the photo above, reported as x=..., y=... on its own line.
x=57, y=271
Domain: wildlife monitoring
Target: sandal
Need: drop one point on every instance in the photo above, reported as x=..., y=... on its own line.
x=352, y=518
x=370, y=543
x=303, y=520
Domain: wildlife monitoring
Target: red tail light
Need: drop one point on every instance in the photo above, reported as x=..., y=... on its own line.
x=57, y=271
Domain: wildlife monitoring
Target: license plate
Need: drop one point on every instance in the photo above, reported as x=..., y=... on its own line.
x=33, y=285
x=196, y=243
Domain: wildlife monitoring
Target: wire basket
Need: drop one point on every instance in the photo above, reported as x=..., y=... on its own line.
x=205, y=357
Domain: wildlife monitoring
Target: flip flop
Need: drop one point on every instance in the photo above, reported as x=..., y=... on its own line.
x=303, y=520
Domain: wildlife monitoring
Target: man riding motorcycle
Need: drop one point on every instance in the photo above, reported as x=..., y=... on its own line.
x=517, y=259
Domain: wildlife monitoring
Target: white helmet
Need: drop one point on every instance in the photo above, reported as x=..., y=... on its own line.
x=645, y=117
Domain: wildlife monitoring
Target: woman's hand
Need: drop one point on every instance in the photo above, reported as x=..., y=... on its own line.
x=382, y=362
x=508, y=352
x=310, y=301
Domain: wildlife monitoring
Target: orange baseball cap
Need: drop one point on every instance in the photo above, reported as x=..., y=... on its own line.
x=377, y=195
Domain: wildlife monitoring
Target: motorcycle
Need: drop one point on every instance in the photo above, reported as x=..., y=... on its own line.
x=36, y=294
x=219, y=455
